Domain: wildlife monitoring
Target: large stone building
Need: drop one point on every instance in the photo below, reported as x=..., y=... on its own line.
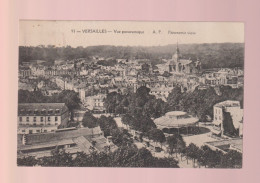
x=96, y=102
x=177, y=64
x=236, y=113
x=41, y=117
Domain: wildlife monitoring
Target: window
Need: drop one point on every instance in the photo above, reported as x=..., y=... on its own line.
x=34, y=119
x=20, y=119
x=49, y=118
x=27, y=119
x=41, y=119
x=38, y=131
x=56, y=118
x=23, y=131
x=56, y=124
x=21, y=111
x=57, y=111
x=45, y=130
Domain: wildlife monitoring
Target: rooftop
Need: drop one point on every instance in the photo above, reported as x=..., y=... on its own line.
x=36, y=108
x=57, y=136
x=175, y=119
x=228, y=103
x=227, y=144
x=175, y=113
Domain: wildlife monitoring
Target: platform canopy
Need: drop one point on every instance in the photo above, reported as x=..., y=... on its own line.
x=175, y=119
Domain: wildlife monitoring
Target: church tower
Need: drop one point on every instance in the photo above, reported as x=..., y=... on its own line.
x=177, y=54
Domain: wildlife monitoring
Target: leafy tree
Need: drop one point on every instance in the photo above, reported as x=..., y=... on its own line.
x=121, y=138
x=180, y=145
x=107, y=124
x=69, y=97
x=27, y=161
x=156, y=135
x=232, y=159
x=142, y=96
x=200, y=102
x=112, y=100
x=210, y=158
x=214, y=55
x=89, y=120
x=124, y=156
x=59, y=158
x=192, y=151
x=172, y=143
x=154, y=108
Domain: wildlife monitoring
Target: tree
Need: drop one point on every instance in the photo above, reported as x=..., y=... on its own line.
x=172, y=143
x=107, y=124
x=59, y=158
x=121, y=138
x=154, y=108
x=210, y=158
x=112, y=100
x=142, y=96
x=89, y=121
x=69, y=97
x=156, y=135
x=192, y=151
x=27, y=161
x=180, y=145
x=232, y=159
x=124, y=156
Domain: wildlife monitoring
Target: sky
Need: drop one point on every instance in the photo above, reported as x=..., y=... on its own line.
x=126, y=33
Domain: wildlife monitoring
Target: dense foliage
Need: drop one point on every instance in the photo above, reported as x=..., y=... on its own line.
x=176, y=144
x=213, y=159
x=122, y=157
x=211, y=55
x=200, y=102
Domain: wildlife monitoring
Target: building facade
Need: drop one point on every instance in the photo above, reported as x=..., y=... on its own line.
x=236, y=113
x=41, y=117
x=180, y=65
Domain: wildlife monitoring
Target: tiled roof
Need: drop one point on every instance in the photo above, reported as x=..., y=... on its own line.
x=47, y=137
x=41, y=108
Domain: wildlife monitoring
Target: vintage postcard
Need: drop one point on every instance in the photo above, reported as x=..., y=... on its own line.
x=130, y=94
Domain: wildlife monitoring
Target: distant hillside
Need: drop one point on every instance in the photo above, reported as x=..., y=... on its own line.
x=211, y=55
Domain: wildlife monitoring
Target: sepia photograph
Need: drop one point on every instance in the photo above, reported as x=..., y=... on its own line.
x=135, y=94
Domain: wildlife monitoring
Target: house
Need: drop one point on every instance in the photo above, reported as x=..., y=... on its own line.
x=236, y=113
x=41, y=117
x=96, y=102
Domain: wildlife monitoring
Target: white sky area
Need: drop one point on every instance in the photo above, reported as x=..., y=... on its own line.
x=59, y=33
